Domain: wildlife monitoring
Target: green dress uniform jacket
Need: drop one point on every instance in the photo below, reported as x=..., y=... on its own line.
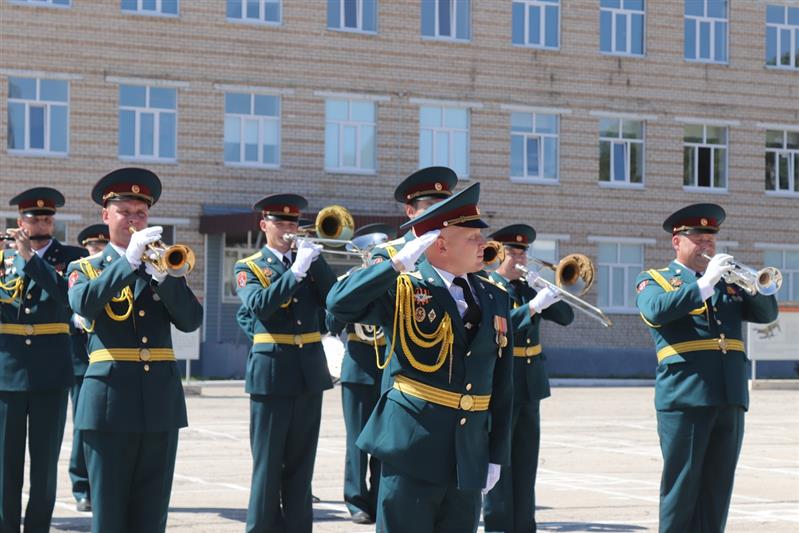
x=286, y=374
x=510, y=506
x=426, y=441
x=131, y=403
x=35, y=374
x=700, y=390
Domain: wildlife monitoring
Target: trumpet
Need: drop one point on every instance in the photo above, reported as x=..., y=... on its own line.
x=766, y=281
x=10, y=237
x=176, y=260
x=334, y=226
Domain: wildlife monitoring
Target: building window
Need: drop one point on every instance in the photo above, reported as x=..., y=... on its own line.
x=446, y=19
x=788, y=263
x=264, y=11
x=352, y=15
x=252, y=129
x=621, y=151
x=536, y=23
x=705, y=157
x=782, y=37
x=349, y=135
x=147, y=122
x=618, y=266
x=237, y=246
x=621, y=26
x=533, y=147
x=546, y=250
x=782, y=161
x=706, y=30
x=151, y=7
x=444, y=138
x=38, y=116
x=49, y=3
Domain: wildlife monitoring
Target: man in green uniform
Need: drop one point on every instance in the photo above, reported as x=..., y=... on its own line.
x=35, y=358
x=282, y=291
x=360, y=390
x=131, y=403
x=510, y=506
x=93, y=239
x=701, y=394
x=443, y=428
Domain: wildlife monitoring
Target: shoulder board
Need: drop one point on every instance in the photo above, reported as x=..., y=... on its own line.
x=253, y=257
x=664, y=269
x=391, y=243
x=344, y=275
x=87, y=258
x=492, y=282
x=416, y=274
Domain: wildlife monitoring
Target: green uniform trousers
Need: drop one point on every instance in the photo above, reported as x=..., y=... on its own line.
x=358, y=400
x=406, y=504
x=700, y=447
x=284, y=432
x=131, y=478
x=510, y=506
x=77, y=461
x=39, y=415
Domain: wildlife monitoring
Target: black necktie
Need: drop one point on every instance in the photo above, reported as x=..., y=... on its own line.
x=517, y=284
x=471, y=319
x=287, y=261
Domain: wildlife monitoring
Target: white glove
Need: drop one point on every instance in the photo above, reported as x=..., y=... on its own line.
x=531, y=277
x=307, y=251
x=157, y=276
x=138, y=244
x=405, y=260
x=78, y=321
x=492, y=477
x=544, y=299
x=716, y=268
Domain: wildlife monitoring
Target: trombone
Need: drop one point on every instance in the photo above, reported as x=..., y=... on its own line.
x=766, y=281
x=176, y=260
x=569, y=271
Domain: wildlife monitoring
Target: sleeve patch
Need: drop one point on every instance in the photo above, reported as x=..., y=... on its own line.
x=377, y=260
x=241, y=279
x=642, y=285
x=73, y=278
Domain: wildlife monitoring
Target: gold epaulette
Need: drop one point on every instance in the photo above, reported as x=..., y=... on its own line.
x=400, y=240
x=253, y=257
x=344, y=275
x=87, y=258
x=492, y=282
x=416, y=274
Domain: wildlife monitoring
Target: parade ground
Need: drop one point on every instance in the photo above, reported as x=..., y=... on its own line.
x=599, y=469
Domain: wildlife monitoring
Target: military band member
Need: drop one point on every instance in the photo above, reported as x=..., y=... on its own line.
x=443, y=428
x=360, y=390
x=131, y=403
x=701, y=393
x=282, y=291
x=35, y=356
x=510, y=506
x=93, y=239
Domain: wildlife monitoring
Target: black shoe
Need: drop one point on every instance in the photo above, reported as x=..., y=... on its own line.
x=362, y=517
x=84, y=505
x=315, y=499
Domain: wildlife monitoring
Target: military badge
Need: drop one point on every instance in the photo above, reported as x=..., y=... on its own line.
x=267, y=271
x=675, y=282
x=377, y=260
x=431, y=315
x=501, y=328
x=241, y=279
x=421, y=296
x=73, y=278
x=60, y=268
x=731, y=290
x=419, y=314
x=641, y=286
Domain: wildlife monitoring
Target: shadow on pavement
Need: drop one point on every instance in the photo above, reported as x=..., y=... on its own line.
x=240, y=515
x=590, y=527
x=77, y=523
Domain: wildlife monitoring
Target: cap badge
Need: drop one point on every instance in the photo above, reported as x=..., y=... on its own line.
x=519, y=238
x=39, y=203
x=438, y=186
x=135, y=189
x=286, y=209
x=703, y=221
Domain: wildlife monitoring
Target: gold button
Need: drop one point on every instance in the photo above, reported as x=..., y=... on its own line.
x=29, y=329
x=467, y=402
x=721, y=335
x=463, y=421
x=141, y=312
x=144, y=354
x=27, y=310
x=28, y=342
x=298, y=340
x=144, y=340
x=468, y=386
x=146, y=368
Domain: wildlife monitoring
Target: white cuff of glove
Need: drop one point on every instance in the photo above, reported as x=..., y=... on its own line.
x=705, y=287
x=405, y=259
x=494, y=471
x=155, y=274
x=543, y=300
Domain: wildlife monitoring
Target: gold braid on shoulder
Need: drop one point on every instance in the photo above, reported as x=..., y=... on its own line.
x=126, y=295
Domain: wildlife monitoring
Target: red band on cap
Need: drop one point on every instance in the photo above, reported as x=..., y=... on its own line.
x=283, y=210
x=123, y=190
x=453, y=217
x=695, y=223
x=426, y=189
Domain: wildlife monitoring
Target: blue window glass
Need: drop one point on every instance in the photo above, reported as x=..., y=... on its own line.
x=16, y=126
x=163, y=98
x=148, y=5
x=253, y=9
x=534, y=25
x=234, y=9
x=605, y=27
x=22, y=88
x=619, y=161
x=717, y=8
x=132, y=95
x=532, y=156
x=444, y=19
x=463, y=16
x=429, y=18
x=704, y=40
x=53, y=90
x=266, y=105
x=621, y=32
x=237, y=103
x=695, y=8
x=36, y=127
x=721, y=41
x=550, y=158
x=369, y=15
x=272, y=11
x=333, y=14
x=58, y=128
x=771, y=45
x=146, y=133
x=127, y=129
x=232, y=139
x=170, y=7
x=350, y=13
x=129, y=5
x=166, y=135
x=637, y=34
x=516, y=155
x=775, y=14
x=517, y=36
x=552, y=27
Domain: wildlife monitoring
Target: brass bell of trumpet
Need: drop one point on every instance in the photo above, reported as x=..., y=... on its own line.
x=575, y=272
x=766, y=281
x=334, y=226
x=493, y=255
x=176, y=260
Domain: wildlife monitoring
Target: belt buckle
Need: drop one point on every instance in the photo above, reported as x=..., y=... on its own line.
x=29, y=329
x=529, y=351
x=723, y=345
x=466, y=402
x=144, y=354
x=298, y=340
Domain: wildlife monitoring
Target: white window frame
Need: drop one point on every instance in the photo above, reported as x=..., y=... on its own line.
x=711, y=21
x=529, y=4
x=629, y=279
x=262, y=120
x=157, y=111
x=540, y=179
x=454, y=22
x=157, y=13
x=41, y=3
x=47, y=104
x=628, y=15
x=696, y=146
x=228, y=269
x=261, y=13
x=794, y=29
x=793, y=168
x=357, y=124
x=626, y=184
x=449, y=131
x=359, y=15
x=788, y=275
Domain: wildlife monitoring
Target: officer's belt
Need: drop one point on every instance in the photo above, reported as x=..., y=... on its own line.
x=34, y=329
x=724, y=345
x=527, y=351
x=144, y=355
x=453, y=400
x=381, y=341
x=287, y=338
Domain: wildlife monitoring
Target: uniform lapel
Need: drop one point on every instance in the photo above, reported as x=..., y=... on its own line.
x=273, y=261
x=486, y=307
x=441, y=295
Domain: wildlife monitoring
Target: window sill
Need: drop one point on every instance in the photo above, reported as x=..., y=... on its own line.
x=254, y=22
x=34, y=153
x=252, y=165
x=707, y=62
x=37, y=4
x=781, y=69
x=450, y=40
x=706, y=190
x=354, y=31
x=149, y=14
x=782, y=194
x=535, y=181
x=133, y=159
x=537, y=47
x=620, y=185
x=357, y=171
x=623, y=54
